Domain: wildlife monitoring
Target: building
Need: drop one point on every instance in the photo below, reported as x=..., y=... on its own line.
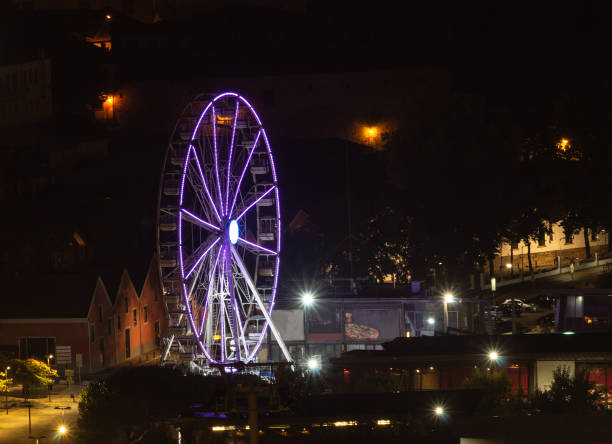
x=334, y=325
x=83, y=321
x=549, y=250
x=445, y=362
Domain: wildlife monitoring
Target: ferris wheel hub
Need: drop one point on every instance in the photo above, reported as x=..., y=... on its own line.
x=232, y=231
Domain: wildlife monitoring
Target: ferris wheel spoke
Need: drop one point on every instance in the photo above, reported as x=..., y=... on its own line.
x=199, y=222
x=229, y=161
x=255, y=247
x=262, y=307
x=211, y=284
x=216, y=151
x=203, y=179
x=200, y=258
x=246, y=165
x=254, y=202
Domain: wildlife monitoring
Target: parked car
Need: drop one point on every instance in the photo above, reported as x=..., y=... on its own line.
x=524, y=306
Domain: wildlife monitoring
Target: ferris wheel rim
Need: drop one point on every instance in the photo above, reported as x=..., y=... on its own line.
x=221, y=214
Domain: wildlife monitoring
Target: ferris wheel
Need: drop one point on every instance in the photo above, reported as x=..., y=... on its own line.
x=218, y=233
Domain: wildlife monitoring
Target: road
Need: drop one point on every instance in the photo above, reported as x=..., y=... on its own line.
x=46, y=418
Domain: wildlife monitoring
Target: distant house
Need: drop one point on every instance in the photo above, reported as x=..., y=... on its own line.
x=545, y=251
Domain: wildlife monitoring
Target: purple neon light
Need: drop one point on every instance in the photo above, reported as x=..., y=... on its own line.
x=200, y=258
x=208, y=290
x=224, y=94
x=210, y=199
x=184, y=175
x=246, y=165
x=214, y=121
x=233, y=303
x=229, y=162
x=259, y=247
x=265, y=136
x=254, y=202
x=202, y=221
x=225, y=211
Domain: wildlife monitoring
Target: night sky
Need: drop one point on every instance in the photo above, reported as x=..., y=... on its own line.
x=538, y=67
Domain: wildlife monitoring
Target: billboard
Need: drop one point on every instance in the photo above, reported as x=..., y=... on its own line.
x=324, y=322
x=371, y=324
x=290, y=324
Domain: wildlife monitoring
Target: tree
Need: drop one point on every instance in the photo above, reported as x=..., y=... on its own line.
x=567, y=394
x=134, y=402
x=31, y=373
x=496, y=388
x=5, y=382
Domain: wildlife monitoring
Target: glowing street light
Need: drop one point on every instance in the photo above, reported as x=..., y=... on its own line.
x=493, y=356
x=62, y=430
x=314, y=364
x=308, y=299
x=439, y=411
x=49, y=357
x=431, y=321
x=508, y=265
x=449, y=298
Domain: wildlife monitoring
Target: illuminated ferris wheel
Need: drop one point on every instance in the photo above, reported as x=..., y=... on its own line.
x=218, y=233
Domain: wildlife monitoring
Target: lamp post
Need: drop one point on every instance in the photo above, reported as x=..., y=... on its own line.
x=6, y=387
x=449, y=298
x=509, y=268
x=307, y=300
x=49, y=357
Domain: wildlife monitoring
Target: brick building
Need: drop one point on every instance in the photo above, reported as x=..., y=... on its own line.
x=78, y=323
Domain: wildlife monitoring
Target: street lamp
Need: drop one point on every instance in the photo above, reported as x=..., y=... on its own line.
x=509, y=268
x=493, y=356
x=439, y=410
x=314, y=364
x=307, y=299
x=49, y=357
x=449, y=298
x=6, y=386
x=431, y=321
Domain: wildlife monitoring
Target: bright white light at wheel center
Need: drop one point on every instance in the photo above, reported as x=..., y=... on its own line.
x=233, y=231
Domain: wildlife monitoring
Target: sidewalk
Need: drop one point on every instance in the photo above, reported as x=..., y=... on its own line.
x=46, y=418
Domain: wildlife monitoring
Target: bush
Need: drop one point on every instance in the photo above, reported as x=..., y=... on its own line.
x=567, y=394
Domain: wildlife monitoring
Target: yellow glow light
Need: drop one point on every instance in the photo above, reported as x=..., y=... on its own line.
x=439, y=411
x=110, y=99
x=370, y=131
x=383, y=422
x=345, y=423
x=62, y=430
x=217, y=337
x=108, y=16
x=222, y=428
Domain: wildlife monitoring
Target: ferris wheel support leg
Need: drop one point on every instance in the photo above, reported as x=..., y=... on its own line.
x=167, y=349
x=262, y=307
